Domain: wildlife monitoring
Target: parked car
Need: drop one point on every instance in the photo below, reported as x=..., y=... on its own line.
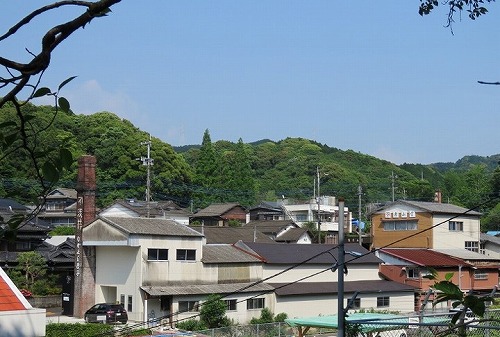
x=106, y=313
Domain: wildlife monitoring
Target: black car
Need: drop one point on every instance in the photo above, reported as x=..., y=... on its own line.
x=106, y=313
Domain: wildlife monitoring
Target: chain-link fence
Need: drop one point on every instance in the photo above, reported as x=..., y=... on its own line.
x=411, y=326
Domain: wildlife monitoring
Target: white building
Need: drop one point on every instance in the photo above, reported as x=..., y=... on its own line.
x=159, y=268
x=327, y=209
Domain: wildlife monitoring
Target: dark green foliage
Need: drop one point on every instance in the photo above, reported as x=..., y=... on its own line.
x=280, y=317
x=63, y=230
x=191, y=325
x=78, y=330
x=266, y=316
x=213, y=312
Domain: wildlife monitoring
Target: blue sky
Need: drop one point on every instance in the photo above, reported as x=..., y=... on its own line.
x=370, y=76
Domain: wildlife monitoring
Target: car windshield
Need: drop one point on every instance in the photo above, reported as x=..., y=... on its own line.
x=116, y=307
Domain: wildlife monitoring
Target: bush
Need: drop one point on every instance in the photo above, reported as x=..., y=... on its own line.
x=77, y=330
x=190, y=325
x=280, y=317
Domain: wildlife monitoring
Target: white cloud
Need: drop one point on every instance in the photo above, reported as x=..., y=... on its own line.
x=90, y=97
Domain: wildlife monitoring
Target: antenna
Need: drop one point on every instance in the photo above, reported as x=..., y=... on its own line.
x=148, y=161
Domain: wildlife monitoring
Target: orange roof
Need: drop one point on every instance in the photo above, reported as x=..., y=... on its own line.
x=10, y=297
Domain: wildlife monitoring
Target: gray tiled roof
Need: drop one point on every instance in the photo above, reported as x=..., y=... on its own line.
x=270, y=226
x=200, y=289
x=291, y=235
x=151, y=226
x=156, y=208
x=226, y=254
x=298, y=253
x=230, y=234
x=437, y=207
x=216, y=210
x=368, y=286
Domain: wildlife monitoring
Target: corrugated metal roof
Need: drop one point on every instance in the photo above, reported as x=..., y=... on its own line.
x=200, y=289
x=467, y=255
x=490, y=238
x=151, y=226
x=368, y=286
x=297, y=253
x=424, y=257
x=224, y=253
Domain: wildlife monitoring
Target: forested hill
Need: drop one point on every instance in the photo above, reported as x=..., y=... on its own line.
x=223, y=171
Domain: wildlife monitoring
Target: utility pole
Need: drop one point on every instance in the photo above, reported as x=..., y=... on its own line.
x=340, y=273
x=393, y=178
x=318, y=200
x=147, y=161
x=360, y=192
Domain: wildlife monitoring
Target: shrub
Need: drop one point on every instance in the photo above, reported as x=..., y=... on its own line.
x=190, y=325
x=77, y=330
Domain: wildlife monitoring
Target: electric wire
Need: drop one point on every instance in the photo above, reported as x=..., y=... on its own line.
x=340, y=268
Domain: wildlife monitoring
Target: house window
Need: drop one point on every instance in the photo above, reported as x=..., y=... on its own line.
x=404, y=225
x=186, y=254
x=480, y=275
x=255, y=303
x=473, y=246
x=188, y=306
x=382, y=301
x=456, y=226
x=230, y=305
x=129, y=303
x=356, y=304
x=122, y=300
x=482, y=248
x=157, y=254
x=413, y=273
x=23, y=246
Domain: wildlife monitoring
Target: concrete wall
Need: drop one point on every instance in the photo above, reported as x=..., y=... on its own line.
x=23, y=323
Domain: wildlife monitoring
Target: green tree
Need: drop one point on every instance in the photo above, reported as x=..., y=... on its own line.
x=238, y=180
x=207, y=171
x=213, y=312
x=31, y=266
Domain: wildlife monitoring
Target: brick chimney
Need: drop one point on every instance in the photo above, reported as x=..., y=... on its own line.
x=84, y=274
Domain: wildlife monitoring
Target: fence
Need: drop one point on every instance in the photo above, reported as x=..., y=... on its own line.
x=412, y=326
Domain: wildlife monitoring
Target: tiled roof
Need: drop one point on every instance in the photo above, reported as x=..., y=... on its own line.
x=271, y=205
x=226, y=254
x=215, y=210
x=150, y=226
x=368, y=286
x=59, y=193
x=424, y=257
x=8, y=204
x=437, y=207
x=298, y=253
x=291, y=235
x=231, y=234
x=10, y=297
x=156, y=208
x=270, y=226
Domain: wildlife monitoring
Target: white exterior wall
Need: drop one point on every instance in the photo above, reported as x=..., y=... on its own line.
x=241, y=314
x=445, y=239
x=118, y=271
x=157, y=272
x=325, y=206
x=356, y=273
x=316, y=305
